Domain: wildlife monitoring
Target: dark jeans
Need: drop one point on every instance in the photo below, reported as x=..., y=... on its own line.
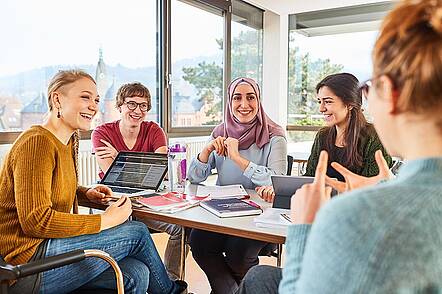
x=130, y=244
x=261, y=279
x=224, y=259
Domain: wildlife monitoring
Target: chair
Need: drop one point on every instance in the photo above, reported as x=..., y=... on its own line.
x=289, y=165
x=10, y=272
x=271, y=249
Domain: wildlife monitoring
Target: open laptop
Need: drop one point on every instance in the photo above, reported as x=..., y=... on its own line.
x=136, y=173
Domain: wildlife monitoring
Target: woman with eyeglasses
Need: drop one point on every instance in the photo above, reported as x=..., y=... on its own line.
x=347, y=137
x=132, y=133
x=385, y=236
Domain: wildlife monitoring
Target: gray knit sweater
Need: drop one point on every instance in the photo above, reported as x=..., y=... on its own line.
x=382, y=239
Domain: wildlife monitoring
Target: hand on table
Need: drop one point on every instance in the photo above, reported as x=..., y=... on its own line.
x=266, y=193
x=99, y=194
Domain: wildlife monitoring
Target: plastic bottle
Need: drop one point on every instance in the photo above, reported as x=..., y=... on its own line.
x=177, y=168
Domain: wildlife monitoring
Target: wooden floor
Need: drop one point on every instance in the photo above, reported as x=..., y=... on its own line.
x=195, y=277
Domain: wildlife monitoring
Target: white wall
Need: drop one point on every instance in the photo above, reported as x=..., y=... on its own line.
x=275, y=66
x=297, y=6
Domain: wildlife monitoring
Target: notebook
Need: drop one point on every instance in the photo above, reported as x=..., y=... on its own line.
x=230, y=207
x=161, y=202
x=136, y=173
x=170, y=202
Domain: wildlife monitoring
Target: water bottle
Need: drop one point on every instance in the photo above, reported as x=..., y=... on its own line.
x=177, y=168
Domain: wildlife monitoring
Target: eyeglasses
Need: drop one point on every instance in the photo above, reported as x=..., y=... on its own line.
x=365, y=87
x=132, y=105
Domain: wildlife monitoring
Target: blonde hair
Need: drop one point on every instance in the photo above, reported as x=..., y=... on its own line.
x=409, y=51
x=63, y=78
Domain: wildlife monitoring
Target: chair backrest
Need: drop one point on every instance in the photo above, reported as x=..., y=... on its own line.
x=289, y=165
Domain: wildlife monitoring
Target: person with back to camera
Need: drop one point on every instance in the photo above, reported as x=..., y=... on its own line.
x=247, y=148
x=392, y=244
x=132, y=133
x=347, y=137
x=38, y=189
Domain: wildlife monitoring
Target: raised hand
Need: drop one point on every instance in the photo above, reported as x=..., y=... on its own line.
x=99, y=194
x=107, y=151
x=354, y=181
x=311, y=197
x=266, y=193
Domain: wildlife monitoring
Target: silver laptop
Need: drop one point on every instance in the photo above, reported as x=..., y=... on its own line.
x=136, y=173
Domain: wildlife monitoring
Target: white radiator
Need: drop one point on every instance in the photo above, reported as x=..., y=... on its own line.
x=87, y=168
x=193, y=149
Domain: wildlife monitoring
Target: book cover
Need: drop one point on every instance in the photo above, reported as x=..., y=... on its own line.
x=230, y=207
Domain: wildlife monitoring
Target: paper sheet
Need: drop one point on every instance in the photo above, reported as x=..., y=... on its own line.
x=229, y=191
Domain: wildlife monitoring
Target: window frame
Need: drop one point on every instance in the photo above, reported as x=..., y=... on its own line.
x=163, y=46
x=371, y=15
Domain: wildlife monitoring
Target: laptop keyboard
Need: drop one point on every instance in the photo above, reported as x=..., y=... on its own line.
x=125, y=190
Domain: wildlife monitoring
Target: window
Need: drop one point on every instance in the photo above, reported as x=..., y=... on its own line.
x=197, y=66
x=114, y=42
x=322, y=43
x=118, y=43
x=247, y=34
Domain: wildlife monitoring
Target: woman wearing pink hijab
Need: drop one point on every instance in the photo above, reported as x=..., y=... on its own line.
x=247, y=148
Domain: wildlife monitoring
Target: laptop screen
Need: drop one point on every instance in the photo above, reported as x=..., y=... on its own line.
x=141, y=170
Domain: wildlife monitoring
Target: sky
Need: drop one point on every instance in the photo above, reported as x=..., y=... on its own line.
x=355, y=58
x=49, y=32
x=39, y=33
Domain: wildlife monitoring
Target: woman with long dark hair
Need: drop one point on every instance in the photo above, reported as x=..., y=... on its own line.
x=348, y=138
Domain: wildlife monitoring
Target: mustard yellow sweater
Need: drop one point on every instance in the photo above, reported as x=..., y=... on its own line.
x=38, y=187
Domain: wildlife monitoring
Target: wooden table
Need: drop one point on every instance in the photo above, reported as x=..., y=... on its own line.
x=199, y=218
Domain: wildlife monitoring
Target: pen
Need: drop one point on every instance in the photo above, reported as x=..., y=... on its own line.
x=122, y=203
x=253, y=204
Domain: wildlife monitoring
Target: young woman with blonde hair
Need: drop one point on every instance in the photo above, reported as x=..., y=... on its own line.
x=38, y=189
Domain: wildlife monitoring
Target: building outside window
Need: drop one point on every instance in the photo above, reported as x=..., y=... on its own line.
x=112, y=41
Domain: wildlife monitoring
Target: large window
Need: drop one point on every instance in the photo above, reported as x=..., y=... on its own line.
x=111, y=40
x=247, y=35
x=322, y=43
x=197, y=66
x=184, y=51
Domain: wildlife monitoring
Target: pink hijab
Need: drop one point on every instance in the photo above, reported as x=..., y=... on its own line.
x=258, y=131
